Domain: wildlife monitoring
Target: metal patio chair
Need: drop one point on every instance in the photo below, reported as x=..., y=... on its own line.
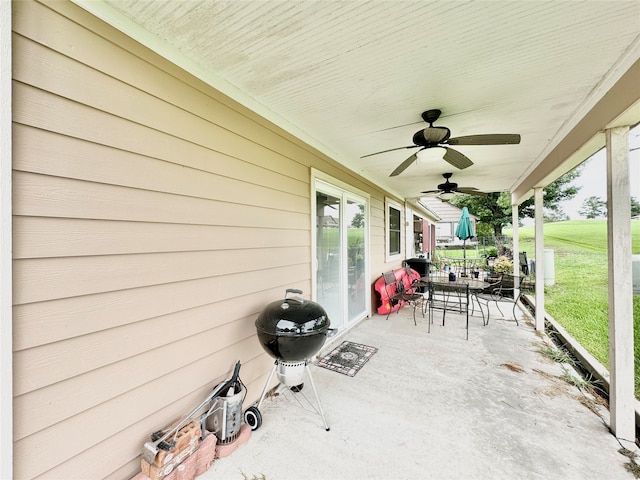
x=504, y=290
x=524, y=263
x=403, y=293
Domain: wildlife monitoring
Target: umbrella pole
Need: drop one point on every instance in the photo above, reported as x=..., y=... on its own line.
x=464, y=254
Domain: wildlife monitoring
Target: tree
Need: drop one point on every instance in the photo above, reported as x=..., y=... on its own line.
x=483, y=230
x=554, y=194
x=593, y=207
x=358, y=218
x=495, y=208
x=551, y=216
x=635, y=207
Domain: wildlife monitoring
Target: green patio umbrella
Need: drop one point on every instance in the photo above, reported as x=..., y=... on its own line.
x=464, y=231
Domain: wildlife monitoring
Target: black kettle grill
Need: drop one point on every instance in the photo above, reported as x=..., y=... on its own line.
x=291, y=330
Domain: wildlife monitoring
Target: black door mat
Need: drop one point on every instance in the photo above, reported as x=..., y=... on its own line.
x=347, y=358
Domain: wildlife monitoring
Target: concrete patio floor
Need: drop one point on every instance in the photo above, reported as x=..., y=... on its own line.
x=435, y=406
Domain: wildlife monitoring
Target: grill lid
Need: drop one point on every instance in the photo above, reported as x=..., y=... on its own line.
x=294, y=316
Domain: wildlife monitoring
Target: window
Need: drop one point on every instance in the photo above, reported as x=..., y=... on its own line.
x=394, y=229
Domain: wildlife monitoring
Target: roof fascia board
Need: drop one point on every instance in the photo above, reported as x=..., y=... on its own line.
x=586, y=137
x=418, y=206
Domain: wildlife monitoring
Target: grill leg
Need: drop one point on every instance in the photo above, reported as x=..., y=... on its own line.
x=315, y=392
x=266, y=385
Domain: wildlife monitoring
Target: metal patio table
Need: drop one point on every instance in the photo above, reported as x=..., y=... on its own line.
x=463, y=287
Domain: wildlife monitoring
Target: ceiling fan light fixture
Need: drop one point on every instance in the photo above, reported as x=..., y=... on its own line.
x=435, y=135
x=439, y=137
x=430, y=154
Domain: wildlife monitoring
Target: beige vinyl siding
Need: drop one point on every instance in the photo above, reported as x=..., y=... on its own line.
x=153, y=220
x=378, y=244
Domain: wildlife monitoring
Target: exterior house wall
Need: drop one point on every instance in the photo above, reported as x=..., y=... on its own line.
x=448, y=220
x=153, y=219
x=418, y=230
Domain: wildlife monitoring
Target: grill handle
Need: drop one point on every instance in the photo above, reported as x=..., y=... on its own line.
x=299, y=298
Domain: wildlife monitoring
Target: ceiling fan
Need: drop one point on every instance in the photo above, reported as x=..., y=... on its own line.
x=448, y=189
x=432, y=137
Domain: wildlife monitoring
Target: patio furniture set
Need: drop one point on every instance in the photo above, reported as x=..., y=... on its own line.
x=448, y=292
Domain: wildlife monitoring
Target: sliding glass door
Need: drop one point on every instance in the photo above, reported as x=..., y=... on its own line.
x=341, y=254
x=356, y=255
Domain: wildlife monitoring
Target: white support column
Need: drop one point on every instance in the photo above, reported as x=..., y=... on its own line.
x=6, y=276
x=621, y=355
x=515, y=222
x=538, y=196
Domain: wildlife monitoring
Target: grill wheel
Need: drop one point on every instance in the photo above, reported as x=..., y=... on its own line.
x=253, y=418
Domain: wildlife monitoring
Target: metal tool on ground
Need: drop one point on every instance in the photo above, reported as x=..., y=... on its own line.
x=169, y=447
x=224, y=416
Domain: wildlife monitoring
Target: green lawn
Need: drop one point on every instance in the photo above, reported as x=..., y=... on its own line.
x=578, y=300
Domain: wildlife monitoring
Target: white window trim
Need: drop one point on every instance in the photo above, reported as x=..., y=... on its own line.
x=6, y=272
x=410, y=237
x=388, y=203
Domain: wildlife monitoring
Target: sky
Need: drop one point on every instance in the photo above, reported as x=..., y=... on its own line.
x=593, y=180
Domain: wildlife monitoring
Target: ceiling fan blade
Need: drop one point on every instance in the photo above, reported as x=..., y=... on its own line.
x=390, y=150
x=403, y=166
x=471, y=191
x=488, y=139
x=456, y=158
x=431, y=191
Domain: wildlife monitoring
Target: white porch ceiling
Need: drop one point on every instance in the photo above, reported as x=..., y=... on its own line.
x=352, y=77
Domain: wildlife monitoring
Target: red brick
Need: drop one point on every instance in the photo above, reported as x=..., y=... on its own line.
x=206, y=454
x=226, y=450
x=188, y=468
x=243, y=437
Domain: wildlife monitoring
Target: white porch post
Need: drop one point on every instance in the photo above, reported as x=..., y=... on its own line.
x=621, y=355
x=515, y=222
x=538, y=195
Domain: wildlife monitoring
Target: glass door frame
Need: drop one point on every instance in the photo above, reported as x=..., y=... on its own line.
x=326, y=183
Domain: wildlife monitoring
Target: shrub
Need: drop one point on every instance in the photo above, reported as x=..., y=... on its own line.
x=503, y=265
x=491, y=252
